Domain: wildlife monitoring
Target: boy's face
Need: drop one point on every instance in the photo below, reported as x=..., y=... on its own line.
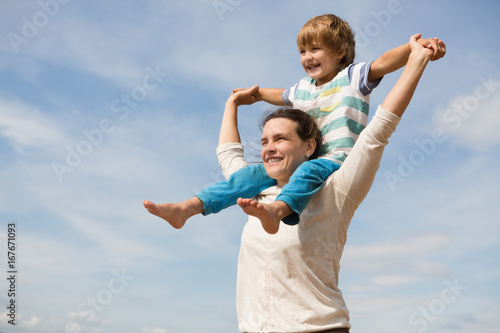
x=320, y=62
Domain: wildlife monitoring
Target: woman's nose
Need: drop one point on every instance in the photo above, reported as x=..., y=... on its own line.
x=270, y=148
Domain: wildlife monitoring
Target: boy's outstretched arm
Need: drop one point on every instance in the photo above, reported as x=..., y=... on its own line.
x=396, y=58
x=399, y=97
x=272, y=96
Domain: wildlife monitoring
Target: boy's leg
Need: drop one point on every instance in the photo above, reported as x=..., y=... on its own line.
x=247, y=182
x=303, y=185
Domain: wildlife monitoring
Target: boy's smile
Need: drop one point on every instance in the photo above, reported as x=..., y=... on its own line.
x=312, y=68
x=319, y=62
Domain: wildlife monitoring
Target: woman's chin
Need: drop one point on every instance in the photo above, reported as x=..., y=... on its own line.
x=281, y=177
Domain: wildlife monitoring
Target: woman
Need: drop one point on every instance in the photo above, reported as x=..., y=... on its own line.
x=288, y=282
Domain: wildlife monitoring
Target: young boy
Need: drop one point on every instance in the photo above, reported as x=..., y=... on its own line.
x=336, y=94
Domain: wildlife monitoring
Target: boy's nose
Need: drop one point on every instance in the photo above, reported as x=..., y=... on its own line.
x=308, y=55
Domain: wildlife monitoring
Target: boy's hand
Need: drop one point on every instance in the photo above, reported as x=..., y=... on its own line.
x=436, y=45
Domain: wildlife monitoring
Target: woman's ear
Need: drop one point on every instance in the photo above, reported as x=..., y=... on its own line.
x=310, y=147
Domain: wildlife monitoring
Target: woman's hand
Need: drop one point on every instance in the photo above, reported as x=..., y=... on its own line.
x=421, y=51
x=437, y=46
x=400, y=95
x=245, y=96
x=229, y=128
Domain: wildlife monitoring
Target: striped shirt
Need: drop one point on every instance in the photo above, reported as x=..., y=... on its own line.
x=340, y=107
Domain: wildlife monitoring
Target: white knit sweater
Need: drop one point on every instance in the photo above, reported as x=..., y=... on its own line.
x=288, y=282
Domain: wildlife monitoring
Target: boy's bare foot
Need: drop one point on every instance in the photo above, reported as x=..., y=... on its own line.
x=269, y=215
x=177, y=213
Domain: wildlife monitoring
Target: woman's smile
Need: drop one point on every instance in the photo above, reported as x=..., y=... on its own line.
x=274, y=160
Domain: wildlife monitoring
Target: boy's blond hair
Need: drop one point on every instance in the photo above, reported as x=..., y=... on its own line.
x=332, y=31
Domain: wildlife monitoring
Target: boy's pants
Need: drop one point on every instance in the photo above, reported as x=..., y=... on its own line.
x=249, y=181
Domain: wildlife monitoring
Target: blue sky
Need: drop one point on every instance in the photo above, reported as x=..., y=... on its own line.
x=104, y=104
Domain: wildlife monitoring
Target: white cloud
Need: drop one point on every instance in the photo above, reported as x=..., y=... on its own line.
x=32, y=322
x=472, y=120
x=95, y=47
x=394, y=280
x=154, y=330
x=366, y=305
x=429, y=268
x=25, y=126
x=370, y=258
x=108, y=236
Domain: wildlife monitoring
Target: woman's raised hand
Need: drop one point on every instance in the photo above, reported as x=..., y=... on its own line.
x=246, y=96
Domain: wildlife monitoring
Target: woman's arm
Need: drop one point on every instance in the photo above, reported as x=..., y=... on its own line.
x=229, y=128
x=356, y=175
x=400, y=95
x=230, y=150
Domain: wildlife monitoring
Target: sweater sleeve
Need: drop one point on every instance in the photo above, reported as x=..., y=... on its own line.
x=355, y=178
x=230, y=156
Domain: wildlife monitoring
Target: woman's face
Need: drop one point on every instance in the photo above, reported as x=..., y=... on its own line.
x=283, y=150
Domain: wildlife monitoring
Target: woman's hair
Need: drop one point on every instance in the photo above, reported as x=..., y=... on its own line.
x=332, y=31
x=306, y=127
